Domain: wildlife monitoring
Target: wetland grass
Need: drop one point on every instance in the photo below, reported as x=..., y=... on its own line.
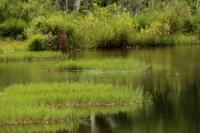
x=57, y=102
x=105, y=65
x=12, y=45
x=28, y=56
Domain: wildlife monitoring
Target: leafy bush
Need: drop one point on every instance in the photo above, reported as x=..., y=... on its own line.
x=196, y=21
x=105, y=28
x=143, y=21
x=186, y=39
x=188, y=26
x=13, y=28
x=53, y=27
x=175, y=14
x=102, y=28
x=152, y=35
x=37, y=43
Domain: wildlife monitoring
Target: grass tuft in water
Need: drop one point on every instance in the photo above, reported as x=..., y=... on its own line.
x=105, y=65
x=53, y=102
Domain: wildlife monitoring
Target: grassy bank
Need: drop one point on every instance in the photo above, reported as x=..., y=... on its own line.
x=107, y=25
x=28, y=55
x=105, y=65
x=12, y=45
x=42, y=103
x=110, y=27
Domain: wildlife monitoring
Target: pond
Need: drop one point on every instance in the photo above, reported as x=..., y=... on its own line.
x=173, y=81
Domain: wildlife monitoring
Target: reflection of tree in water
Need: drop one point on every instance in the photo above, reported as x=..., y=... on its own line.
x=188, y=105
x=109, y=123
x=174, y=109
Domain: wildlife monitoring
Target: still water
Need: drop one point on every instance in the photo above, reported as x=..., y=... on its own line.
x=174, y=83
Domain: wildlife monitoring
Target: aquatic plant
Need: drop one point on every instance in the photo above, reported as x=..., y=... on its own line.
x=54, y=102
x=104, y=64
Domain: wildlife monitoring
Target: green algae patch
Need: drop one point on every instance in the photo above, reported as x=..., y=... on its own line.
x=104, y=64
x=55, y=102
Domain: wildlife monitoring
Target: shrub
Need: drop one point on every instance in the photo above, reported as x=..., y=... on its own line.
x=196, y=21
x=102, y=28
x=13, y=28
x=54, y=27
x=186, y=39
x=188, y=26
x=175, y=14
x=143, y=21
x=105, y=29
x=37, y=43
x=153, y=35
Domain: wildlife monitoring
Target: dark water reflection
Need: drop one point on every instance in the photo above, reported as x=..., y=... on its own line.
x=174, y=83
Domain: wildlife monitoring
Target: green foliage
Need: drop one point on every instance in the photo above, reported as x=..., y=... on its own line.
x=152, y=35
x=103, y=25
x=105, y=28
x=50, y=24
x=37, y=43
x=25, y=9
x=110, y=27
x=186, y=39
x=52, y=27
x=175, y=15
x=143, y=21
x=13, y=28
x=196, y=21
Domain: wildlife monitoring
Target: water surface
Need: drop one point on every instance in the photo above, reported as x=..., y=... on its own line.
x=174, y=83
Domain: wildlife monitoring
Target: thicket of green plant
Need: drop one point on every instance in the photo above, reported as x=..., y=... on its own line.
x=104, y=25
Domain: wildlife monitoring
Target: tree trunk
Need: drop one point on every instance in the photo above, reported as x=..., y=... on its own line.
x=77, y=5
x=66, y=6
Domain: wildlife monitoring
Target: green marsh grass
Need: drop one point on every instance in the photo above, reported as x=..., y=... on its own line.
x=12, y=45
x=28, y=56
x=105, y=64
x=54, y=102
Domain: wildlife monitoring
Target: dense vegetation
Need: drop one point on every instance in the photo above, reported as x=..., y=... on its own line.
x=48, y=24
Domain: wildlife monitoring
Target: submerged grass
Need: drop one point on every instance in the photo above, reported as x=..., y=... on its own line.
x=53, y=102
x=105, y=65
x=28, y=56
